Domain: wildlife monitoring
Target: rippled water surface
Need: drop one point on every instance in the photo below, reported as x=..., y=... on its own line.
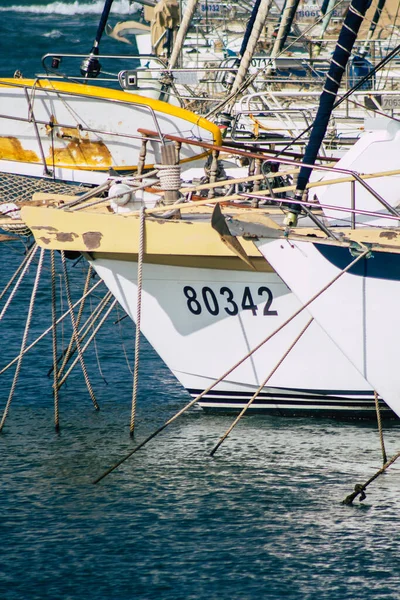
x=262, y=519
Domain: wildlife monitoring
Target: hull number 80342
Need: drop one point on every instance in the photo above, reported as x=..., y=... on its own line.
x=216, y=301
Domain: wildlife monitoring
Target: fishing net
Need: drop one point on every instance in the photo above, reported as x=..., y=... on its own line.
x=20, y=188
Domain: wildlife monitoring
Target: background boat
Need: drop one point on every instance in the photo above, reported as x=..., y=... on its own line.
x=79, y=133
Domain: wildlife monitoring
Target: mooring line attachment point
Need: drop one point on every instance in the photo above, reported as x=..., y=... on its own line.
x=359, y=489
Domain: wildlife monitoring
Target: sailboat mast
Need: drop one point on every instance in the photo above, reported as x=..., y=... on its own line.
x=372, y=27
x=324, y=6
x=284, y=29
x=102, y=25
x=327, y=16
x=344, y=46
x=249, y=27
x=245, y=61
x=182, y=31
x=327, y=10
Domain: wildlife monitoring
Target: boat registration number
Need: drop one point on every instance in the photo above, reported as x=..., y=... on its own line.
x=207, y=300
x=390, y=102
x=210, y=8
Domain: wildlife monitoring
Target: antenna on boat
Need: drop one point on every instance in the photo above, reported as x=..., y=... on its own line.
x=91, y=66
x=337, y=67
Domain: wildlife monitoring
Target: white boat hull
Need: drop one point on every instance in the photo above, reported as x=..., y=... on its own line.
x=202, y=321
x=78, y=133
x=359, y=311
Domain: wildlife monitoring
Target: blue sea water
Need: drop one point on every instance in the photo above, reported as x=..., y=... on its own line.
x=262, y=519
x=32, y=28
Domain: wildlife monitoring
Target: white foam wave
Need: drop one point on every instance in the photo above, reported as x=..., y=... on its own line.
x=120, y=7
x=54, y=34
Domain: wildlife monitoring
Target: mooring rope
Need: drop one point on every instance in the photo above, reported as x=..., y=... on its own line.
x=75, y=330
x=96, y=351
x=62, y=312
x=20, y=278
x=210, y=387
x=67, y=353
x=42, y=335
x=84, y=330
x=118, y=322
x=264, y=383
x=379, y=420
x=86, y=345
x=54, y=320
x=24, y=338
x=17, y=271
x=138, y=318
x=94, y=315
x=359, y=489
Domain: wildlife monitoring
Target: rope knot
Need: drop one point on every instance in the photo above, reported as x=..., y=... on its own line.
x=360, y=490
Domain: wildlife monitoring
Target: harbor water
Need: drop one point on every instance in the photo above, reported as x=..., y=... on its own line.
x=261, y=519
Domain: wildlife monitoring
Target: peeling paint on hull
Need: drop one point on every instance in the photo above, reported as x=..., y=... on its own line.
x=92, y=239
x=12, y=149
x=83, y=154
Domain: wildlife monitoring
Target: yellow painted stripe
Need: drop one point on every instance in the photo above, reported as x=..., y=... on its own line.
x=120, y=96
x=120, y=168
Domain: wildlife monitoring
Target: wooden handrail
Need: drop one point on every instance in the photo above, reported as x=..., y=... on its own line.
x=227, y=149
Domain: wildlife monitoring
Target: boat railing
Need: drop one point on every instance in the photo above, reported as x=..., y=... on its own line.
x=291, y=120
x=143, y=72
x=52, y=64
x=71, y=64
x=81, y=127
x=345, y=175
x=386, y=99
x=346, y=122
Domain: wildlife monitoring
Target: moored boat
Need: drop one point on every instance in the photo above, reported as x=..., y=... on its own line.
x=78, y=133
x=359, y=310
x=203, y=309
x=208, y=301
